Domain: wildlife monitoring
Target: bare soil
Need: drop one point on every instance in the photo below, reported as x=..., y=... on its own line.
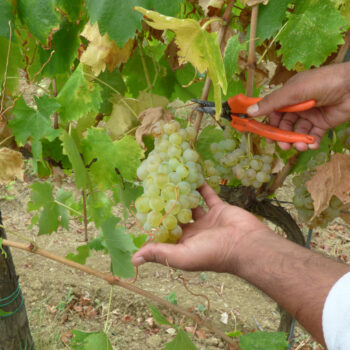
x=60, y=299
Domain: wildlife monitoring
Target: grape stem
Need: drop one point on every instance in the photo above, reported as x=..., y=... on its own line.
x=114, y=280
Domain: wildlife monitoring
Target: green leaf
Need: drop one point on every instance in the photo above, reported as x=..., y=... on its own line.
x=263, y=341
x=35, y=124
x=2, y=250
x=127, y=156
x=158, y=317
x=99, y=207
x=81, y=256
x=270, y=18
x=234, y=334
x=5, y=17
x=65, y=42
x=196, y=46
x=181, y=341
x=78, y=97
x=232, y=51
x=120, y=247
x=51, y=215
x=39, y=16
x=90, y=341
x=127, y=193
x=209, y=135
x=111, y=15
x=139, y=240
x=98, y=146
x=71, y=150
x=312, y=33
x=172, y=298
x=301, y=165
x=71, y=8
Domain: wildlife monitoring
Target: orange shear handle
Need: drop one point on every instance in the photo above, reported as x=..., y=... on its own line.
x=268, y=131
x=240, y=103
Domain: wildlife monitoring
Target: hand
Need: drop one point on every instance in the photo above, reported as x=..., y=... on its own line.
x=210, y=243
x=329, y=86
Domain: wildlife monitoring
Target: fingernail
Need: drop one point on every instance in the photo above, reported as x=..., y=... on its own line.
x=253, y=109
x=139, y=260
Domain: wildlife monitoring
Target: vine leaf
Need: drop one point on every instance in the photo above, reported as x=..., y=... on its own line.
x=71, y=150
x=81, y=256
x=209, y=135
x=120, y=246
x=181, y=341
x=90, y=341
x=102, y=51
x=270, y=18
x=34, y=124
x=305, y=39
x=264, y=340
x=39, y=16
x=78, y=97
x=5, y=17
x=11, y=165
x=72, y=9
x=231, y=55
x=50, y=214
x=331, y=178
x=196, y=46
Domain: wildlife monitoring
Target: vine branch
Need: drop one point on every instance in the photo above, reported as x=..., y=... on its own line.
x=113, y=280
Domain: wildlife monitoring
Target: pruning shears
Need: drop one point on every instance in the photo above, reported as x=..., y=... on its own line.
x=235, y=110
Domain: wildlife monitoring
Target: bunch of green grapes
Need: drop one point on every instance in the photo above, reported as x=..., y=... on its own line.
x=235, y=163
x=170, y=176
x=303, y=201
x=344, y=137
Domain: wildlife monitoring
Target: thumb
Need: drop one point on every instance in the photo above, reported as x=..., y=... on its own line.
x=173, y=255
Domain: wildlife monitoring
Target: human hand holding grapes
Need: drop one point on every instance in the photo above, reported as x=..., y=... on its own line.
x=329, y=86
x=210, y=243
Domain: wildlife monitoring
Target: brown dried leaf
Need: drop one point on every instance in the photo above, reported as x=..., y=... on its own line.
x=201, y=334
x=148, y=119
x=66, y=337
x=102, y=51
x=210, y=5
x=11, y=165
x=331, y=178
x=171, y=54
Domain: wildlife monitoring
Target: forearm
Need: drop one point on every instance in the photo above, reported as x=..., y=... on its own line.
x=295, y=277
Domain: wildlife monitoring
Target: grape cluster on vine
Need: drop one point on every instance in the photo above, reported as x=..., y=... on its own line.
x=171, y=174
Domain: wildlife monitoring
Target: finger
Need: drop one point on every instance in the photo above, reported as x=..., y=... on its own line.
x=173, y=255
x=275, y=119
x=209, y=195
x=287, y=123
x=317, y=133
x=303, y=126
x=197, y=213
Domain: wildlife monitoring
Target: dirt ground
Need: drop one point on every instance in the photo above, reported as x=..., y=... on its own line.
x=59, y=299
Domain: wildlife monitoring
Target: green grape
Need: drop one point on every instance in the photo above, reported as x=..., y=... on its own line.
x=298, y=201
x=163, y=156
x=267, y=159
x=214, y=147
x=211, y=171
x=152, y=190
x=208, y=163
x=174, y=151
x=184, y=216
x=184, y=201
x=308, y=203
x=156, y=204
x=251, y=174
x=164, y=168
x=171, y=127
x=305, y=214
x=193, y=200
x=227, y=132
x=192, y=177
x=213, y=180
x=218, y=156
x=321, y=158
x=190, y=155
x=142, y=171
x=298, y=181
x=185, y=145
x=175, y=139
x=174, y=177
x=182, y=170
x=312, y=163
x=239, y=172
x=183, y=133
x=184, y=187
x=221, y=146
x=256, y=184
x=301, y=191
x=238, y=152
x=266, y=168
x=168, y=192
x=163, y=146
x=261, y=176
x=176, y=233
x=244, y=162
x=161, y=235
x=152, y=166
x=200, y=180
x=246, y=182
x=170, y=222
x=147, y=227
x=331, y=213
x=172, y=207
x=191, y=133
x=223, y=171
x=153, y=157
x=161, y=179
x=173, y=163
x=141, y=218
x=256, y=164
x=229, y=160
x=154, y=218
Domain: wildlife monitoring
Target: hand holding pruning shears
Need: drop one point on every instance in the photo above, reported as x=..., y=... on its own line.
x=300, y=112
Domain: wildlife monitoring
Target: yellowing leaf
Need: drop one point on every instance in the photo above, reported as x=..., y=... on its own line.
x=331, y=178
x=102, y=51
x=205, y=4
x=255, y=2
x=11, y=165
x=196, y=46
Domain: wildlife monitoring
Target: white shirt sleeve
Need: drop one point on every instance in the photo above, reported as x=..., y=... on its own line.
x=336, y=315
